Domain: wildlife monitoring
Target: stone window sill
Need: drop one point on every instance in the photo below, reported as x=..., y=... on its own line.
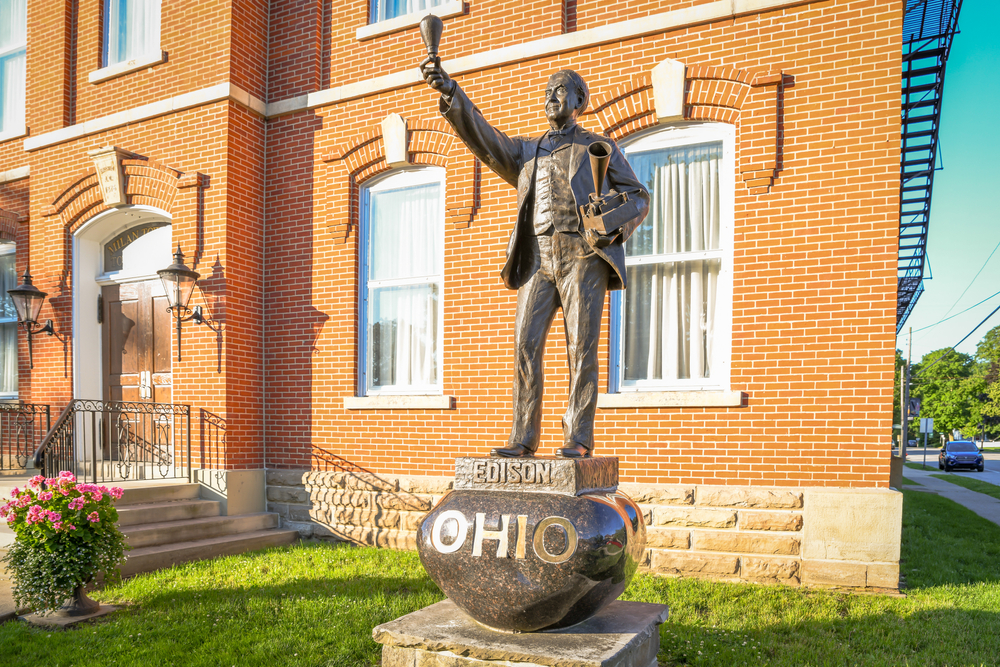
x=447, y=10
x=399, y=402
x=671, y=399
x=126, y=66
x=16, y=133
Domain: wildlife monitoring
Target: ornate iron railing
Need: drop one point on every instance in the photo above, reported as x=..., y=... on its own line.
x=106, y=441
x=22, y=427
x=213, y=447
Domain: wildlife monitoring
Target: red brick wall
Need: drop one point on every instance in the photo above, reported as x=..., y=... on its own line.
x=814, y=290
x=272, y=229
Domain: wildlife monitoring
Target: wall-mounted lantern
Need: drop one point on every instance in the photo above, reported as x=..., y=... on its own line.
x=178, y=282
x=28, y=301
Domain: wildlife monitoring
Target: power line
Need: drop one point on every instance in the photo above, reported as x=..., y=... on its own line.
x=974, y=278
x=922, y=370
x=956, y=314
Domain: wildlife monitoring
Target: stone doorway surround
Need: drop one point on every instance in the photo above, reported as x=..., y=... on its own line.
x=140, y=258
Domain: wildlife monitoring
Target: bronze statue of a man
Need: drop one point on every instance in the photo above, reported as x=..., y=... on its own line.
x=552, y=260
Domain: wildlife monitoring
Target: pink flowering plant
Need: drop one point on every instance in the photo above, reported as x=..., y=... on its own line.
x=66, y=532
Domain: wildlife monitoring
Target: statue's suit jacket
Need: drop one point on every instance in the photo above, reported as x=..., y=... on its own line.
x=514, y=159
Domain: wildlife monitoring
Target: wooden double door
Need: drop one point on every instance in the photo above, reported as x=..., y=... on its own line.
x=136, y=337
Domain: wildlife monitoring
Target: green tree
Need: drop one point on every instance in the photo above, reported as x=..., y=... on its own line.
x=988, y=354
x=948, y=384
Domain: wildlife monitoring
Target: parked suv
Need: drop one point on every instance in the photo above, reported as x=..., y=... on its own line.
x=960, y=454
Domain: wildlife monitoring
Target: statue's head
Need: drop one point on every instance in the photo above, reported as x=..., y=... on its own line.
x=566, y=97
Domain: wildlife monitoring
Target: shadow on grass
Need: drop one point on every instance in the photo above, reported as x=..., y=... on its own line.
x=312, y=604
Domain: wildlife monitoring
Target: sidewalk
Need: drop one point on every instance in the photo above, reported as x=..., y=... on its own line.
x=983, y=505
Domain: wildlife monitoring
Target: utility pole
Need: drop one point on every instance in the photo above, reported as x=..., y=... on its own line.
x=904, y=396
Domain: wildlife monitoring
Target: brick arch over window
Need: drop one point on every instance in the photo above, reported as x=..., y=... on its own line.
x=430, y=142
x=8, y=225
x=146, y=182
x=720, y=94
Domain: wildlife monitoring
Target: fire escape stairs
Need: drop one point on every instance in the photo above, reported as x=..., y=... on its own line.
x=928, y=29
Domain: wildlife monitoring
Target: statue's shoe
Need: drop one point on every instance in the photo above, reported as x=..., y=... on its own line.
x=574, y=452
x=512, y=452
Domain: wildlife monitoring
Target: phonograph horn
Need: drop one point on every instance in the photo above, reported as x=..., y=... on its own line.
x=600, y=156
x=430, y=31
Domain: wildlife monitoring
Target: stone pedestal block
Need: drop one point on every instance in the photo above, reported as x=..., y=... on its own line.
x=529, y=544
x=623, y=634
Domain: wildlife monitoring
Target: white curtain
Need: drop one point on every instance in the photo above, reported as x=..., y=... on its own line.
x=13, y=37
x=132, y=29
x=670, y=303
x=404, y=248
x=387, y=9
x=8, y=327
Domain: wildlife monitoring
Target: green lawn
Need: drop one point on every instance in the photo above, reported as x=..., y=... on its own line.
x=972, y=484
x=920, y=466
x=315, y=605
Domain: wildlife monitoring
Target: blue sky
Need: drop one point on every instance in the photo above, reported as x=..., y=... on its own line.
x=965, y=222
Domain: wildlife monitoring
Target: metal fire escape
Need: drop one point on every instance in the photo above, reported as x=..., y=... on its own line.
x=928, y=29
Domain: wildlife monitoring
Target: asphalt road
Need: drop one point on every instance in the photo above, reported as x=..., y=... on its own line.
x=991, y=474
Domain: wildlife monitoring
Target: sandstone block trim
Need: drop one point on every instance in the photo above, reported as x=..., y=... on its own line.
x=743, y=497
x=673, y=516
x=661, y=538
x=770, y=570
x=736, y=542
x=660, y=495
x=783, y=521
x=680, y=563
x=354, y=505
x=733, y=534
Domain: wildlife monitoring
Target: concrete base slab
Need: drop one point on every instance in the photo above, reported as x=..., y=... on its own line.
x=60, y=622
x=623, y=634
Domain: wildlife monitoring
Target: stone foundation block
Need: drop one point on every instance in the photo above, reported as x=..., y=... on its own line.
x=833, y=573
x=352, y=479
x=661, y=538
x=769, y=570
x=659, y=494
x=625, y=634
x=784, y=521
x=748, y=543
x=883, y=575
x=286, y=477
x=681, y=562
x=717, y=496
x=358, y=517
x=402, y=501
x=861, y=525
x=336, y=496
x=410, y=521
x=669, y=516
x=426, y=485
x=287, y=494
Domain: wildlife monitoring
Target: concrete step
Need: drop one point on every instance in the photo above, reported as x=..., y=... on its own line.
x=154, y=493
x=189, y=530
x=171, y=510
x=147, y=559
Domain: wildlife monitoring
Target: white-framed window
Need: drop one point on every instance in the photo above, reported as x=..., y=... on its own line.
x=13, y=44
x=383, y=10
x=131, y=30
x=671, y=329
x=402, y=281
x=8, y=323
